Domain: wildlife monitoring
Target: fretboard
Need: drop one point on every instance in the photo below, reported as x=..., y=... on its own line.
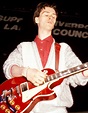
x=68, y=72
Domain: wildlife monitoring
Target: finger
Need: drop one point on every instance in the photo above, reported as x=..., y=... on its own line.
x=36, y=84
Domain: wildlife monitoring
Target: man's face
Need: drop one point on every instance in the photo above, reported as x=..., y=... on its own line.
x=47, y=18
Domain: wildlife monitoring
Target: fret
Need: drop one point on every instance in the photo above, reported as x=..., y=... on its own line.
x=65, y=72
x=51, y=77
x=56, y=75
x=69, y=71
x=47, y=79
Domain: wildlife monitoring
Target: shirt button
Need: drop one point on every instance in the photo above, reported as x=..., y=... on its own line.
x=41, y=49
x=41, y=41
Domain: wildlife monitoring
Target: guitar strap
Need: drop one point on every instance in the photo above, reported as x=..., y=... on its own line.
x=57, y=51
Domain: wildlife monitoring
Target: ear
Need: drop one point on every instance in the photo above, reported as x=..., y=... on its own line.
x=36, y=20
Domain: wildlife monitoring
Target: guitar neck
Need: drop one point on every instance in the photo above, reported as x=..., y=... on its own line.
x=68, y=72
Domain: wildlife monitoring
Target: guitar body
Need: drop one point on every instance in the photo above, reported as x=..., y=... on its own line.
x=7, y=85
x=17, y=95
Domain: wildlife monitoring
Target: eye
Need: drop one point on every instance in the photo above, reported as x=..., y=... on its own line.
x=54, y=16
x=46, y=14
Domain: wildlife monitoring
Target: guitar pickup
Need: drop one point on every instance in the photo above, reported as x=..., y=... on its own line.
x=24, y=86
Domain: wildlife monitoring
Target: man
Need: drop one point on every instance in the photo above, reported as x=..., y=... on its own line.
x=30, y=58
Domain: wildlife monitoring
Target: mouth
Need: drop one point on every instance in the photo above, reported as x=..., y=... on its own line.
x=51, y=23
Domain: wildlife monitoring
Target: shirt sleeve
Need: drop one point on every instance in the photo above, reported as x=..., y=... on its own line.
x=71, y=60
x=14, y=58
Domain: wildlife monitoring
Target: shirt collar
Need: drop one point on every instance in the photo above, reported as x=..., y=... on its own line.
x=47, y=39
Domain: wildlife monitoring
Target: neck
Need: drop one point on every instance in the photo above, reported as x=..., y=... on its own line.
x=43, y=34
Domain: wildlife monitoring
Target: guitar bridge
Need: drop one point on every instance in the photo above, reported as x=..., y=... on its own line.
x=5, y=94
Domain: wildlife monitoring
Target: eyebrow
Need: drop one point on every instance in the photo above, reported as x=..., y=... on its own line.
x=48, y=12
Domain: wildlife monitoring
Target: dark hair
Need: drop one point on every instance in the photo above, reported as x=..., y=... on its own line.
x=41, y=6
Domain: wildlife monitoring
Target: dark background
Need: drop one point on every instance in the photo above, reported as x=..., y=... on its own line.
x=69, y=11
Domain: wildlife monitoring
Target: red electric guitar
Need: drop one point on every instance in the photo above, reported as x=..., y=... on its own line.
x=17, y=95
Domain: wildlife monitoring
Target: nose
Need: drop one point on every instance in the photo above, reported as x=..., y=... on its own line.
x=50, y=16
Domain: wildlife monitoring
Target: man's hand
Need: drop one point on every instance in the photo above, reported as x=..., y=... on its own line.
x=35, y=76
x=85, y=73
